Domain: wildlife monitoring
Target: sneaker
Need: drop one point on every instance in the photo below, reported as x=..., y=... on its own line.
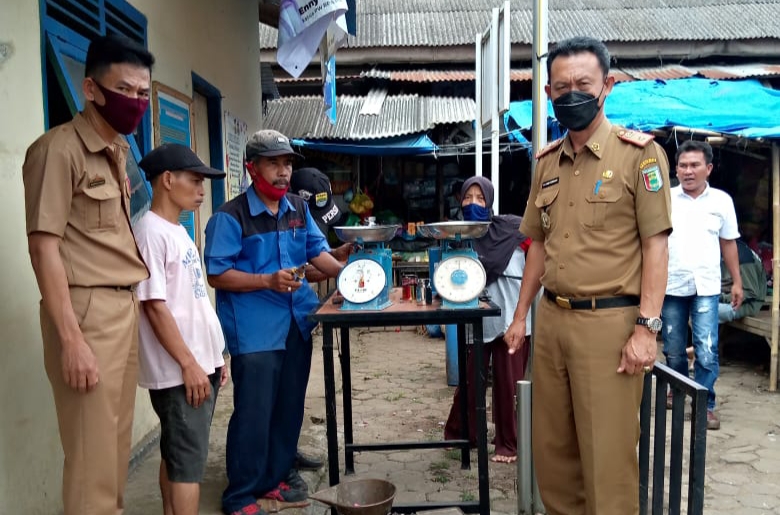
x=283, y=493
x=296, y=482
x=249, y=509
x=713, y=422
x=303, y=462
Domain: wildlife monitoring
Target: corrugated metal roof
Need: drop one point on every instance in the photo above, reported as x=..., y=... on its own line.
x=739, y=71
x=286, y=79
x=659, y=72
x=400, y=23
x=303, y=117
x=516, y=75
x=623, y=74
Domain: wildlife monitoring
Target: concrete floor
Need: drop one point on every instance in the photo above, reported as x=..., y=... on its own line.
x=400, y=393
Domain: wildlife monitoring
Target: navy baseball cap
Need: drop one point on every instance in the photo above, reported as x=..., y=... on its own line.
x=314, y=187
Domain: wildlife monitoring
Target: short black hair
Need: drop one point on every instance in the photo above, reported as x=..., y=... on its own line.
x=578, y=45
x=107, y=50
x=693, y=145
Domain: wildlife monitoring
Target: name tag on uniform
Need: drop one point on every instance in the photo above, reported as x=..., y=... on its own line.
x=551, y=182
x=96, y=181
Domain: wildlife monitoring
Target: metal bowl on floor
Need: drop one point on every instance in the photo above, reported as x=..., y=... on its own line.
x=454, y=229
x=366, y=233
x=359, y=497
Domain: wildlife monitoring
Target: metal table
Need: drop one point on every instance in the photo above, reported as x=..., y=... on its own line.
x=404, y=314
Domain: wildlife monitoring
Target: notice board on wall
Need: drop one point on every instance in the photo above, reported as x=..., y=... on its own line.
x=172, y=123
x=235, y=142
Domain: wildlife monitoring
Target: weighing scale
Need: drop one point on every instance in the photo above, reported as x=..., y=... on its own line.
x=458, y=276
x=365, y=281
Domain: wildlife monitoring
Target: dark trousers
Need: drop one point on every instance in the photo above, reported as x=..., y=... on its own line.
x=507, y=370
x=269, y=390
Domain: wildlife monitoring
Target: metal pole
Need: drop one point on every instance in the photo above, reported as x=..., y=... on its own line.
x=538, y=141
x=494, y=127
x=775, y=264
x=478, y=116
x=539, y=77
x=525, y=466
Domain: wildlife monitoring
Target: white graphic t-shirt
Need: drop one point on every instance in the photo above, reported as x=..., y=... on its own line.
x=175, y=276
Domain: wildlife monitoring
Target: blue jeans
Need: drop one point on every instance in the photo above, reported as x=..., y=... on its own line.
x=703, y=314
x=726, y=313
x=269, y=391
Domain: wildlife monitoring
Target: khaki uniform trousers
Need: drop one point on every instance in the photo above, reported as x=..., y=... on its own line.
x=96, y=427
x=585, y=415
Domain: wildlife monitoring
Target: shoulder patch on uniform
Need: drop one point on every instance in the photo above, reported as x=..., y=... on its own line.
x=640, y=139
x=652, y=178
x=549, y=148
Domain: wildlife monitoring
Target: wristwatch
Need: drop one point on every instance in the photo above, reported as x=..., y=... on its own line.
x=653, y=324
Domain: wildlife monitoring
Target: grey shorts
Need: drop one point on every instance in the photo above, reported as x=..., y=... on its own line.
x=184, y=430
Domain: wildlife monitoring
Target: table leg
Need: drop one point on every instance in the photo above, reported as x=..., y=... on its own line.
x=330, y=404
x=465, y=454
x=346, y=392
x=479, y=384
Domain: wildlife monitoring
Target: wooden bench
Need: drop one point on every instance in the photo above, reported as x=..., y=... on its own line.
x=761, y=325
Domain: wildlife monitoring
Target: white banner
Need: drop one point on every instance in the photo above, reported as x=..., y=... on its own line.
x=302, y=25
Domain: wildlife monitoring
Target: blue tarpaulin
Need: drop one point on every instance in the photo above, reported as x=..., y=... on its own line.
x=415, y=144
x=743, y=108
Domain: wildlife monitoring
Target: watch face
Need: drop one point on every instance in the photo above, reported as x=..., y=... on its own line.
x=362, y=281
x=655, y=324
x=459, y=278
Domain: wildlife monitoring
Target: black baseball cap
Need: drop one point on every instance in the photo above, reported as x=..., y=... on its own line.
x=172, y=157
x=314, y=187
x=269, y=143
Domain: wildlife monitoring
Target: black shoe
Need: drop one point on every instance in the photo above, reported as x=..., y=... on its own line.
x=303, y=462
x=296, y=482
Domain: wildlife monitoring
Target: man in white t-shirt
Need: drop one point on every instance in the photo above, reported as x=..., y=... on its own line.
x=705, y=226
x=181, y=341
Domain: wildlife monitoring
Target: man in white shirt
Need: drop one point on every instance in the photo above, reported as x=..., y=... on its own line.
x=705, y=226
x=181, y=340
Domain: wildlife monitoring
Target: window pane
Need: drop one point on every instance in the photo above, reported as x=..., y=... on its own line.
x=75, y=70
x=140, y=200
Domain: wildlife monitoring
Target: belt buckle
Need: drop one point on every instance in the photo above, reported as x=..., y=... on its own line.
x=563, y=302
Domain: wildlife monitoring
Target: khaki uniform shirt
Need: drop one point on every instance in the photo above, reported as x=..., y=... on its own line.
x=76, y=187
x=592, y=209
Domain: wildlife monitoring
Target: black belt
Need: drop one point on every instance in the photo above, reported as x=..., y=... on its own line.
x=620, y=301
x=130, y=287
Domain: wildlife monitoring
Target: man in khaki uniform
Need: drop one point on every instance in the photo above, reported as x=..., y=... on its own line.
x=77, y=200
x=599, y=218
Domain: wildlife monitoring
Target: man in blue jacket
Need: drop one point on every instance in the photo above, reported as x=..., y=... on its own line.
x=256, y=247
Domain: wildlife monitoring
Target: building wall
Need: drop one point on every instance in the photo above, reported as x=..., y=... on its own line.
x=30, y=454
x=216, y=40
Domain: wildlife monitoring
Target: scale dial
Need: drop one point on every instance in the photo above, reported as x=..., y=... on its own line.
x=459, y=278
x=362, y=281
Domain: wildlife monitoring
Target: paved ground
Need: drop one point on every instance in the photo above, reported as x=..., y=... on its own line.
x=400, y=393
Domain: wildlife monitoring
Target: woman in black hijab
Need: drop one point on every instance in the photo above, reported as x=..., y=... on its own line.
x=502, y=253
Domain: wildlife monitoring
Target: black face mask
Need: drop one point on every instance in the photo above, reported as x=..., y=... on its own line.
x=575, y=109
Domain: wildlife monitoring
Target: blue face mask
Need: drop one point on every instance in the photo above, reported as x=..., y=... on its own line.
x=476, y=213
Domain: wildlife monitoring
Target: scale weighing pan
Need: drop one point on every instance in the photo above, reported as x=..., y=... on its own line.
x=366, y=233
x=454, y=230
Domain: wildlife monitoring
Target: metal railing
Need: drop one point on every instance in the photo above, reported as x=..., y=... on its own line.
x=681, y=387
x=666, y=379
